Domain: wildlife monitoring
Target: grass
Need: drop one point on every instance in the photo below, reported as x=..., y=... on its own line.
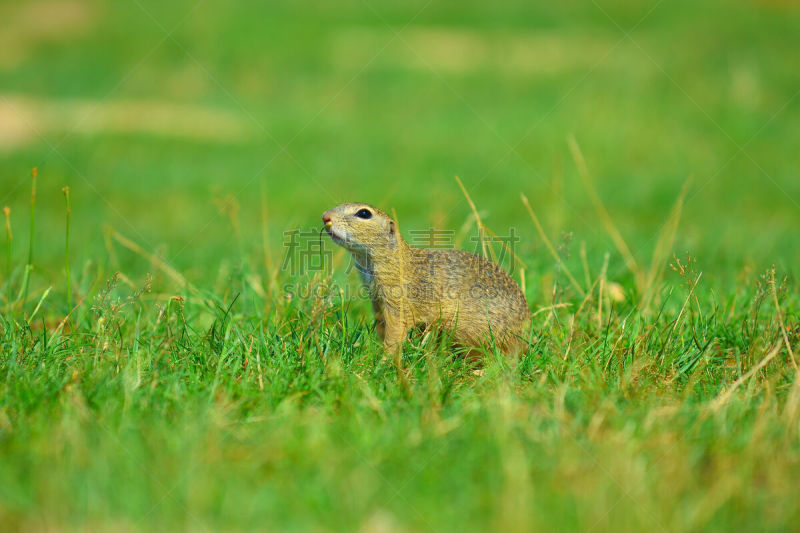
x=166, y=365
x=144, y=414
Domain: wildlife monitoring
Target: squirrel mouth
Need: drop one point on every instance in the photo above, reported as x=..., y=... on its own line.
x=337, y=238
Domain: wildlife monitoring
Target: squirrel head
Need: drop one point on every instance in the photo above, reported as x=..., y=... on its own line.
x=362, y=229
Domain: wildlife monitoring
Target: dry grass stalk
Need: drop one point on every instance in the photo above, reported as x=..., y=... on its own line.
x=481, y=228
x=725, y=395
x=661, y=252
x=780, y=318
x=605, y=218
x=549, y=246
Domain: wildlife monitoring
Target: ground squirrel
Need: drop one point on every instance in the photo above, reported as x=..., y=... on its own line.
x=463, y=292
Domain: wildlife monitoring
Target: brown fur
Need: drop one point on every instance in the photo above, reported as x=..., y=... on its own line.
x=409, y=286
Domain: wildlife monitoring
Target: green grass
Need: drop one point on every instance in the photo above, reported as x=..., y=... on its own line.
x=195, y=387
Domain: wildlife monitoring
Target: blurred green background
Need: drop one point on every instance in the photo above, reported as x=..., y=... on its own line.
x=166, y=117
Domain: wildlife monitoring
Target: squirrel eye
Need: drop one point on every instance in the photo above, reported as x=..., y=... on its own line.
x=364, y=213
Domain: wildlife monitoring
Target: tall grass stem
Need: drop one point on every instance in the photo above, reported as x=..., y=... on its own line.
x=9, y=237
x=65, y=190
x=29, y=266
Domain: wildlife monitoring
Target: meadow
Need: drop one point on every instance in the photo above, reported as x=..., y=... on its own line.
x=180, y=349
